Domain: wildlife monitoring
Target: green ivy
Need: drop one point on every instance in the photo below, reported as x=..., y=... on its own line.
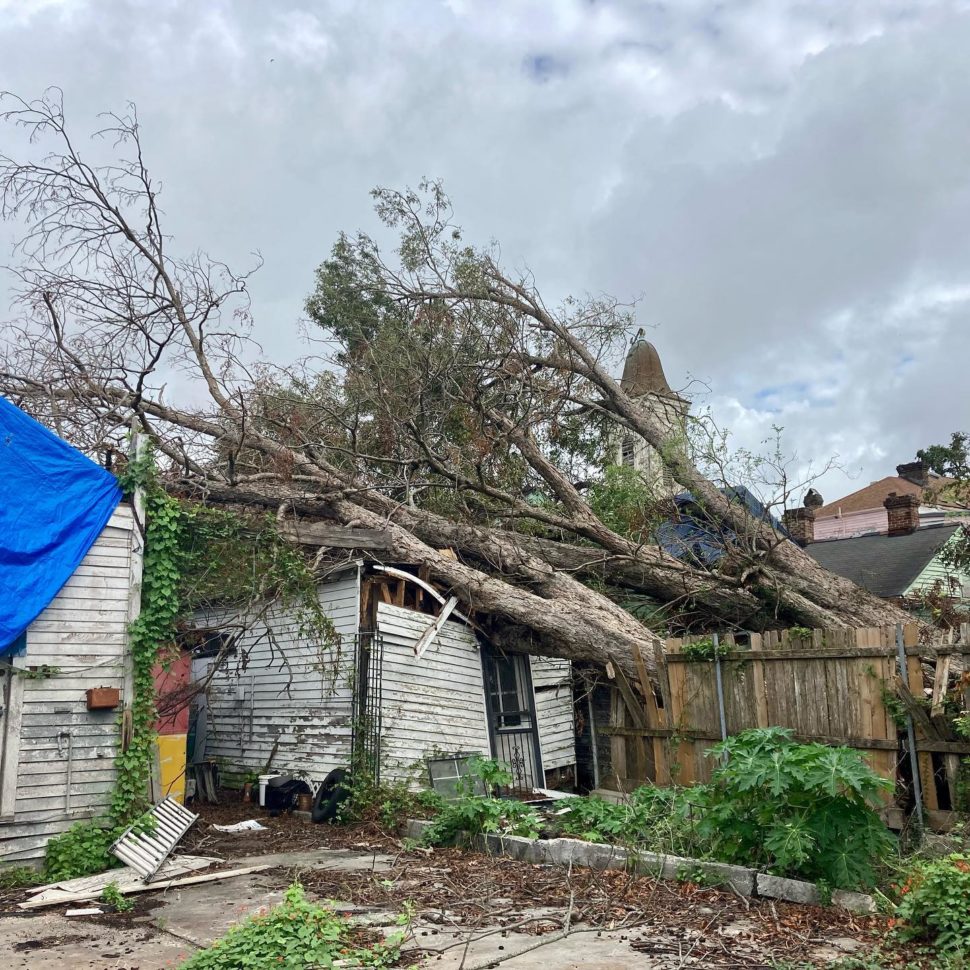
x=704, y=650
x=155, y=626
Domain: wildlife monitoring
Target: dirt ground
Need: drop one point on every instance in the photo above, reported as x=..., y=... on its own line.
x=469, y=908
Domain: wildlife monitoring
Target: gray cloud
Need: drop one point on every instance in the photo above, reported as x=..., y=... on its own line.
x=784, y=185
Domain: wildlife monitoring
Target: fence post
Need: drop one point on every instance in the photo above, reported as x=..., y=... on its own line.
x=720, y=690
x=910, y=733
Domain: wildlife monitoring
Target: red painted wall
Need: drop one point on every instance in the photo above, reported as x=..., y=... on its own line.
x=176, y=678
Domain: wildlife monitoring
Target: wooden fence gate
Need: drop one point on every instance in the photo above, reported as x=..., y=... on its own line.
x=840, y=687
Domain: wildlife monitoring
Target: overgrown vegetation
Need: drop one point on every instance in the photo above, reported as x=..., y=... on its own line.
x=799, y=810
x=81, y=851
x=935, y=904
x=294, y=935
x=473, y=813
x=653, y=819
x=387, y=804
x=803, y=810
x=154, y=627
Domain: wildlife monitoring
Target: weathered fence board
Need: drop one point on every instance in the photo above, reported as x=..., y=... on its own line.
x=831, y=686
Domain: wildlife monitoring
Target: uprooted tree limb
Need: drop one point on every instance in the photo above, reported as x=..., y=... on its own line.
x=453, y=410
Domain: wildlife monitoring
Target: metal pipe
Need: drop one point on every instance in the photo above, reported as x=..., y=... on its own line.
x=592, y=737
x=720, y=688
x=910, y=733
x=70, y=759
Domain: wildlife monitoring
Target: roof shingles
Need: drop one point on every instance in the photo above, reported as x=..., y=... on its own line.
x=885, y=565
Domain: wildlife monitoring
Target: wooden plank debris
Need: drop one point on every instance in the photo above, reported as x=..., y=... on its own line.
x=44, y=900
x=428, y=637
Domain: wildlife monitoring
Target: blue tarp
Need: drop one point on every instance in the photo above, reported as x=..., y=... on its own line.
x=693, y=537
x=54, y=502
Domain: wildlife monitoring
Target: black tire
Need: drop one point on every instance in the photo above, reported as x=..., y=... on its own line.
x=331, y=795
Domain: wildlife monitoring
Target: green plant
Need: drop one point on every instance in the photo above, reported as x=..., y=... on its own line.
x=18, y=877
x=704, y=650
x=387, y=804
x=805, y=810
x=935, y=904
x=494, y=775
x=482, y=814
x=40, y=672
x=154, y=626
x=292, y=936
x=81, y=851
x=651, y=819
x=697, y=875
x=112, y=896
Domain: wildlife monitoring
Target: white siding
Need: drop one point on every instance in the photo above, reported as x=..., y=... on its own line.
x=552, y=682
x=282, y=689
x=83, y=633
x=433, y=703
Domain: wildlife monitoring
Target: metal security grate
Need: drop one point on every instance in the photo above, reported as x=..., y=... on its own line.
x=148, y=843
x=365, y=757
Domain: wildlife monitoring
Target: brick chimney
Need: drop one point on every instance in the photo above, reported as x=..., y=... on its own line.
x=903, y=513
x=917, y=472
x=800, y=524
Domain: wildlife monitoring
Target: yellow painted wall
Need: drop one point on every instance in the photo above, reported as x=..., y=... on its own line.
x=171, y=765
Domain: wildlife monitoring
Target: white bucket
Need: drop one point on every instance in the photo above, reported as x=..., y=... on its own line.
x=263, y=782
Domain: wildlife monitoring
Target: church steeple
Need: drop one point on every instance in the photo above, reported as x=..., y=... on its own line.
x=643, y=377
x=643, y=373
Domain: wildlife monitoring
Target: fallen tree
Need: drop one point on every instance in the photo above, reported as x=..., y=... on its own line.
x=453, y=409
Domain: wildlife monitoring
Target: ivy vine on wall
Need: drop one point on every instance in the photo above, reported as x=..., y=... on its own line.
x=155, y=626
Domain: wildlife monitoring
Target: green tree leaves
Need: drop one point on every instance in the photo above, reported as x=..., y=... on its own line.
x=804, y=810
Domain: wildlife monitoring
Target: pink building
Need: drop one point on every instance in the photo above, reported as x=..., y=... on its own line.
x=863, y=512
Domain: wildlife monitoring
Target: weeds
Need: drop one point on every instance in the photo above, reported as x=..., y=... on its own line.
x=18, y=877
x=935, y=904
x=294, y=935
x=112, y=896
x=477, y=814
x=652, y=819
x=81, y=851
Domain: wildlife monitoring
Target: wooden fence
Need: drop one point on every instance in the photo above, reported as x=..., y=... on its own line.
x=839, y=686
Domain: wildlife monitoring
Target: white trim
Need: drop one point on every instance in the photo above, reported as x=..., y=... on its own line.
x=10, y=743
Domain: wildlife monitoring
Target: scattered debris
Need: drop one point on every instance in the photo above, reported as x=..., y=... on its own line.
x=247, y=826
x=149, y=842
x=128, y=881
x=91, y=911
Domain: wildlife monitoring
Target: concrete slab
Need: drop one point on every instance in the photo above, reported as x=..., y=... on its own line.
x=578, y=951
x=49, y=941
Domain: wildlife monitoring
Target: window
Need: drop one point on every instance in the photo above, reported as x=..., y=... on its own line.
x=504, y=688
x=628, y=450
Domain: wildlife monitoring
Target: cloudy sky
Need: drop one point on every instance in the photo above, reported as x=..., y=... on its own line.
x=784, y=186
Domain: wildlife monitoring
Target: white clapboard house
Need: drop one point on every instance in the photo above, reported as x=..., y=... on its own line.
x=412, y=679
x=70, y=576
